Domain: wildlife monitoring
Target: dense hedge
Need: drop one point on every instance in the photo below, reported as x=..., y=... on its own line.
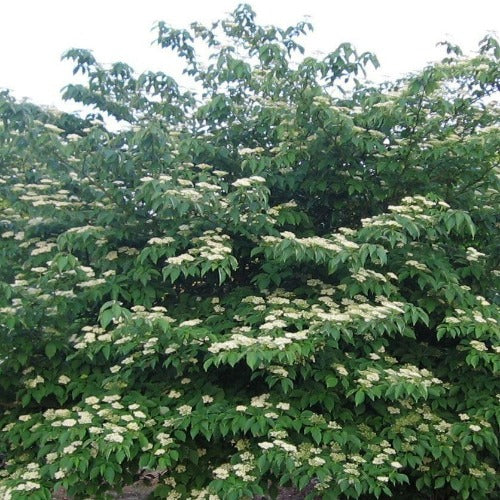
x=287, y=277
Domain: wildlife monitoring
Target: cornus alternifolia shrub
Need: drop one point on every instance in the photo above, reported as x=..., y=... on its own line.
x=284, y=277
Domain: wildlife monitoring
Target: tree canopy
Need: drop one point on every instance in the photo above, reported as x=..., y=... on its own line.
x=286, y=276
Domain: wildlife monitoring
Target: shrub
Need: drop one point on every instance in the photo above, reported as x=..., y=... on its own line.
x=285, y=278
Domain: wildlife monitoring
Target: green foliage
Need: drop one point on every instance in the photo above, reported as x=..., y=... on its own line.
x=286, y=278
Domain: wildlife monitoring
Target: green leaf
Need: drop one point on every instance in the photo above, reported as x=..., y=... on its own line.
x=439, y=482
x=252, y=359
x=359, y=397
x=106, y=317
x=331, y=381
x=109, y=474
x=50, y=350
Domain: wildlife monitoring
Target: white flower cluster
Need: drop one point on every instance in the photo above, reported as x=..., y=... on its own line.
x=356, y=310
x=236, y=340
x=368, y=377
x=473, y=255
x=43, y=247
x=165, y=240
x=412, y=208
x=241, y=469
x=213, y=246
x=72, y=447
x=91, y=283
x=285, y=309
x=249, y=181
x=222, y=472
x=185, y=410
x=465, y=318
x=278, y=370
x=336, y=243
x=413, y=374
x=114, y=437
x=363, y=274
x=188, y=194
x=260, y=401
x=208, y=186
x=274, y=211
x=381, y=221
x=33, y=382
x=407, y=373
x=180, y=259
x=90, y=334
x=250, y=151
x=190, y=322
x=478, y=346
x=85, y=230
x=60, y=199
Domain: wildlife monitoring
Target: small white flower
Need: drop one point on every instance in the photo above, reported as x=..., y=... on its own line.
x=190, y=322
x=316, y=461
x=185, y=410
x=283, y=406
x=478, y=346
x=32, y=383
x=84, y=417
x=271, y=414
x=221, y=472
x=63, y=379
x=114, y=437
x=69, y=422
x=266, y=445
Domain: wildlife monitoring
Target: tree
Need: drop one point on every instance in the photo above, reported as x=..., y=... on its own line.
x=287, y=277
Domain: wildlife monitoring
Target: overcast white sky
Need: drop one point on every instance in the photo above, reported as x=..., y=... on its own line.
x=403, y=34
